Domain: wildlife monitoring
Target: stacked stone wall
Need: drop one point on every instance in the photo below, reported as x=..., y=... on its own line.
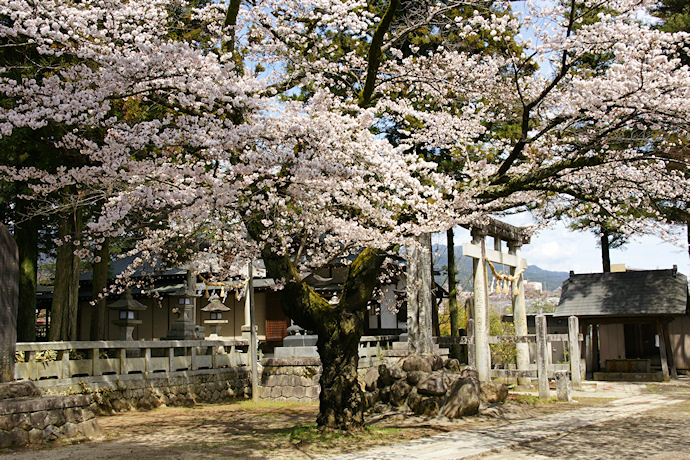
x=291, y=379
x=110, y=394
x=28, y=418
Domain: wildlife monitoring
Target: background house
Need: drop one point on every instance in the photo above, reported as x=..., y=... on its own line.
x=170, y=287
x=631, y=315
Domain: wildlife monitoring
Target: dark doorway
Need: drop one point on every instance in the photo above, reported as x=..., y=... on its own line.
x=640, y=341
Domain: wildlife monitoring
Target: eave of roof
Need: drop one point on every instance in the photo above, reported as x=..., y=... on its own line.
x=632, y=293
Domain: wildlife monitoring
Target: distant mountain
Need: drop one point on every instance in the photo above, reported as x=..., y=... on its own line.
x=550, y=280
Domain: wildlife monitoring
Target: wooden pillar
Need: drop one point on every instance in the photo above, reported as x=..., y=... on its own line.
x=520, y=313
x=587, y=328
x=542, y=368
x=595, y=347
x=669, y=352
x=482, y=354
x=574, y=351
x=663, y=351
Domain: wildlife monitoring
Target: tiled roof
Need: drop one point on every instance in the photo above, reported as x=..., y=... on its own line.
x=649, y=292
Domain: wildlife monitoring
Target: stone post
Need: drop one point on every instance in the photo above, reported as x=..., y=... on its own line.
x=563, y=392
x=419, y=296
x=246, y=328
x=253, y=341
x=520, y=313
x=574, y=350
x=9, y=295
x=471, y=361
x=542, y=368
x=482, y=354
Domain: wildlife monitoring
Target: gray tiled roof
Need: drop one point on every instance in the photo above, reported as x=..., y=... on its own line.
x=649, y=292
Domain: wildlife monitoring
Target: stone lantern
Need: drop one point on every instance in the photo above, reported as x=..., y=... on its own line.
x=127, y=320
x=216, y=308
x=185, y=328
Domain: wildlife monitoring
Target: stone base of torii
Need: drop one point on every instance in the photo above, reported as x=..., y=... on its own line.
x=515, y=237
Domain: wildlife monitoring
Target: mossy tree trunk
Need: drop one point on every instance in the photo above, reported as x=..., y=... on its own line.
x=339, y=328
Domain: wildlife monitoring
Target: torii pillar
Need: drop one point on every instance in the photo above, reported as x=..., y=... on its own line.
x=520, y=311
x=477, y=250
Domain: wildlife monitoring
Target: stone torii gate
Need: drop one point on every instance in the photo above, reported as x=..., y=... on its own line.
x=515, y=237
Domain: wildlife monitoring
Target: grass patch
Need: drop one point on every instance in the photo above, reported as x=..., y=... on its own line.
x=269, y=404
x=533, y=400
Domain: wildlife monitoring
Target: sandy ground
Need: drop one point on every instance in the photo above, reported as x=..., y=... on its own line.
x=287, y=431
x=277, y=431
x=659, y=434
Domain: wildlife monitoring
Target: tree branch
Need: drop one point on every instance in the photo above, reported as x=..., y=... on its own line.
x=375, y=53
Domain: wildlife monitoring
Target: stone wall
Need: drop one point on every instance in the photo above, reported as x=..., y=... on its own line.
x=28, y=418
x=115, y=393
x=291, y=379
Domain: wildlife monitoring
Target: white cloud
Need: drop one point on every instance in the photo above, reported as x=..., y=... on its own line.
x=559, y=249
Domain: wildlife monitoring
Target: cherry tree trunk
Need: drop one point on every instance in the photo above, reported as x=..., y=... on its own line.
x=339, y=328
x=341, y=399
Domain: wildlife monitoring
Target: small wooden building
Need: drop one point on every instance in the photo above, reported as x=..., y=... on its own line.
x=636, y=323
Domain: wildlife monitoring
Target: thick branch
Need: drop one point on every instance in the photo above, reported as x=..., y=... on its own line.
x=362, y=277
x=375, y=53
x=231, y=21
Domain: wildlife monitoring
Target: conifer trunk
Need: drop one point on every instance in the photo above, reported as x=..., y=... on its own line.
x=63, y=315
x=100, y=282
x=453, y=307
x=26, y=237
x=605, y=251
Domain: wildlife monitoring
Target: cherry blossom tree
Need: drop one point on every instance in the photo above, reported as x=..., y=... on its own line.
x=301, y=132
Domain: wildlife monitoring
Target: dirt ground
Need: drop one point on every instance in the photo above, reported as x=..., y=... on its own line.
x=265, y=430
